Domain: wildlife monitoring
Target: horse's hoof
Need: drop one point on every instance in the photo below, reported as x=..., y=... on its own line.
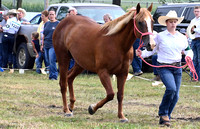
x=90, y=109
x=69, y=114
x=70, y=108
x=123, y=120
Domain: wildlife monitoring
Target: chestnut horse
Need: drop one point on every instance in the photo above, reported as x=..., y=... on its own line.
x=103, y=49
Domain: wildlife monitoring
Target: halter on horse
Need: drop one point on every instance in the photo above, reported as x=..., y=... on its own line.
x=105, y=50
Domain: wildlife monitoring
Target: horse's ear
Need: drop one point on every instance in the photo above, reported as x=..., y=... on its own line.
x=150, y=7
x=138, y=8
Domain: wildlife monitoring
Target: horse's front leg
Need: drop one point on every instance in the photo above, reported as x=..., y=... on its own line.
x=121, y=79
x=63, y=88
x=106, y=82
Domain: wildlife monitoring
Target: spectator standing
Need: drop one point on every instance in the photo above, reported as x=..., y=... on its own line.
x=137, y=61
x=40, y=30
x=21, y=15
x=3, y=23
x=169, y=46
x=71, y=11
x=107, y=18
x=9, y=30
x=47, y=44
x=195, y=45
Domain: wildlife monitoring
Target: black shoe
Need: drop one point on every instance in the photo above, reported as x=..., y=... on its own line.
x=164, y=120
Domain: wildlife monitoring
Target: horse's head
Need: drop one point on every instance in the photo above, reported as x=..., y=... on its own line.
x=143, y=26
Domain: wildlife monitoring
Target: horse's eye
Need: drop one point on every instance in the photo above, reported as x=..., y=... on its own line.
x=140, y=23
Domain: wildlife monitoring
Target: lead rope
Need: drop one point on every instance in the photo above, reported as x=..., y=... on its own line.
x=188, y=60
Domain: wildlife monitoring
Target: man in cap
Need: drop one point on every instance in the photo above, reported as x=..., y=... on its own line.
x=72, y=11
x=195, y=45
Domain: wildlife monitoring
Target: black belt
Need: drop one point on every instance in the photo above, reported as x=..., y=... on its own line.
x=198, y=38
x=8, y=34
x=173, y=64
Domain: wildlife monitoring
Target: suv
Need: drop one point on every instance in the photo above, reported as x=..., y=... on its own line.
x=182, y=9
x=23, y=47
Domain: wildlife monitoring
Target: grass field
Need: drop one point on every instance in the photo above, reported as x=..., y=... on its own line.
x=32, y=101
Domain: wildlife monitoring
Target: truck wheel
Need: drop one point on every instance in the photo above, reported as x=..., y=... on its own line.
x=24, y=60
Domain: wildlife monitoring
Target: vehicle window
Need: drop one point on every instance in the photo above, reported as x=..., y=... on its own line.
x=36, y=20
x=96, y=12
x=163, y=11
x=62, y=13
x=53, y=8
x=188, y=15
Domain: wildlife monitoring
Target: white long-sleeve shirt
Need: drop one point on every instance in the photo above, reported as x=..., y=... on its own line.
x=196, y=22
x=12, y=26
x=169, y=47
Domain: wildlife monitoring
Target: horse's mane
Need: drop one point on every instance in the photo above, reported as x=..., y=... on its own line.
x=119, y=23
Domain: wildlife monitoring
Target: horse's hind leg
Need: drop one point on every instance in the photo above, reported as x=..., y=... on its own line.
x=76, y=70
x=106, y=82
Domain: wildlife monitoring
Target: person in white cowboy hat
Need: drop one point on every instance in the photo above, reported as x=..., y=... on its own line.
x=9, y=30
x=195, y=44
x=21, y=15
x=169, y=45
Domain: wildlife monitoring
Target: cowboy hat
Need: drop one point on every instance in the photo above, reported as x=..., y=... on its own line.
x=22, y=10
x=170, y=15
x=12, y=11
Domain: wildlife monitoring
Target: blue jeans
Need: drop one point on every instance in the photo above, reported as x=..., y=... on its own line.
x=50, y=55
x=38, y=61
x=137, y=62
x=195, y=45
x=71, y=64
x=8, y=43
x=154, y=62
x=171, y=78
x=1, y=54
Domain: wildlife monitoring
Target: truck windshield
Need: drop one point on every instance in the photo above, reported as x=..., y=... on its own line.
x=96, y=12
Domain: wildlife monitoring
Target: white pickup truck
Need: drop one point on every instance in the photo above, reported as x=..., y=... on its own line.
x=23, y=48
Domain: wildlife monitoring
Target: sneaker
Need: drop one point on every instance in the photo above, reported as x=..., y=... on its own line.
x=138, y=73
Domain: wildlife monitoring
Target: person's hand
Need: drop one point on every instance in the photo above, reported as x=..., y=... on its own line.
x=138, y=52
x=37, y=55
x=41, y=48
